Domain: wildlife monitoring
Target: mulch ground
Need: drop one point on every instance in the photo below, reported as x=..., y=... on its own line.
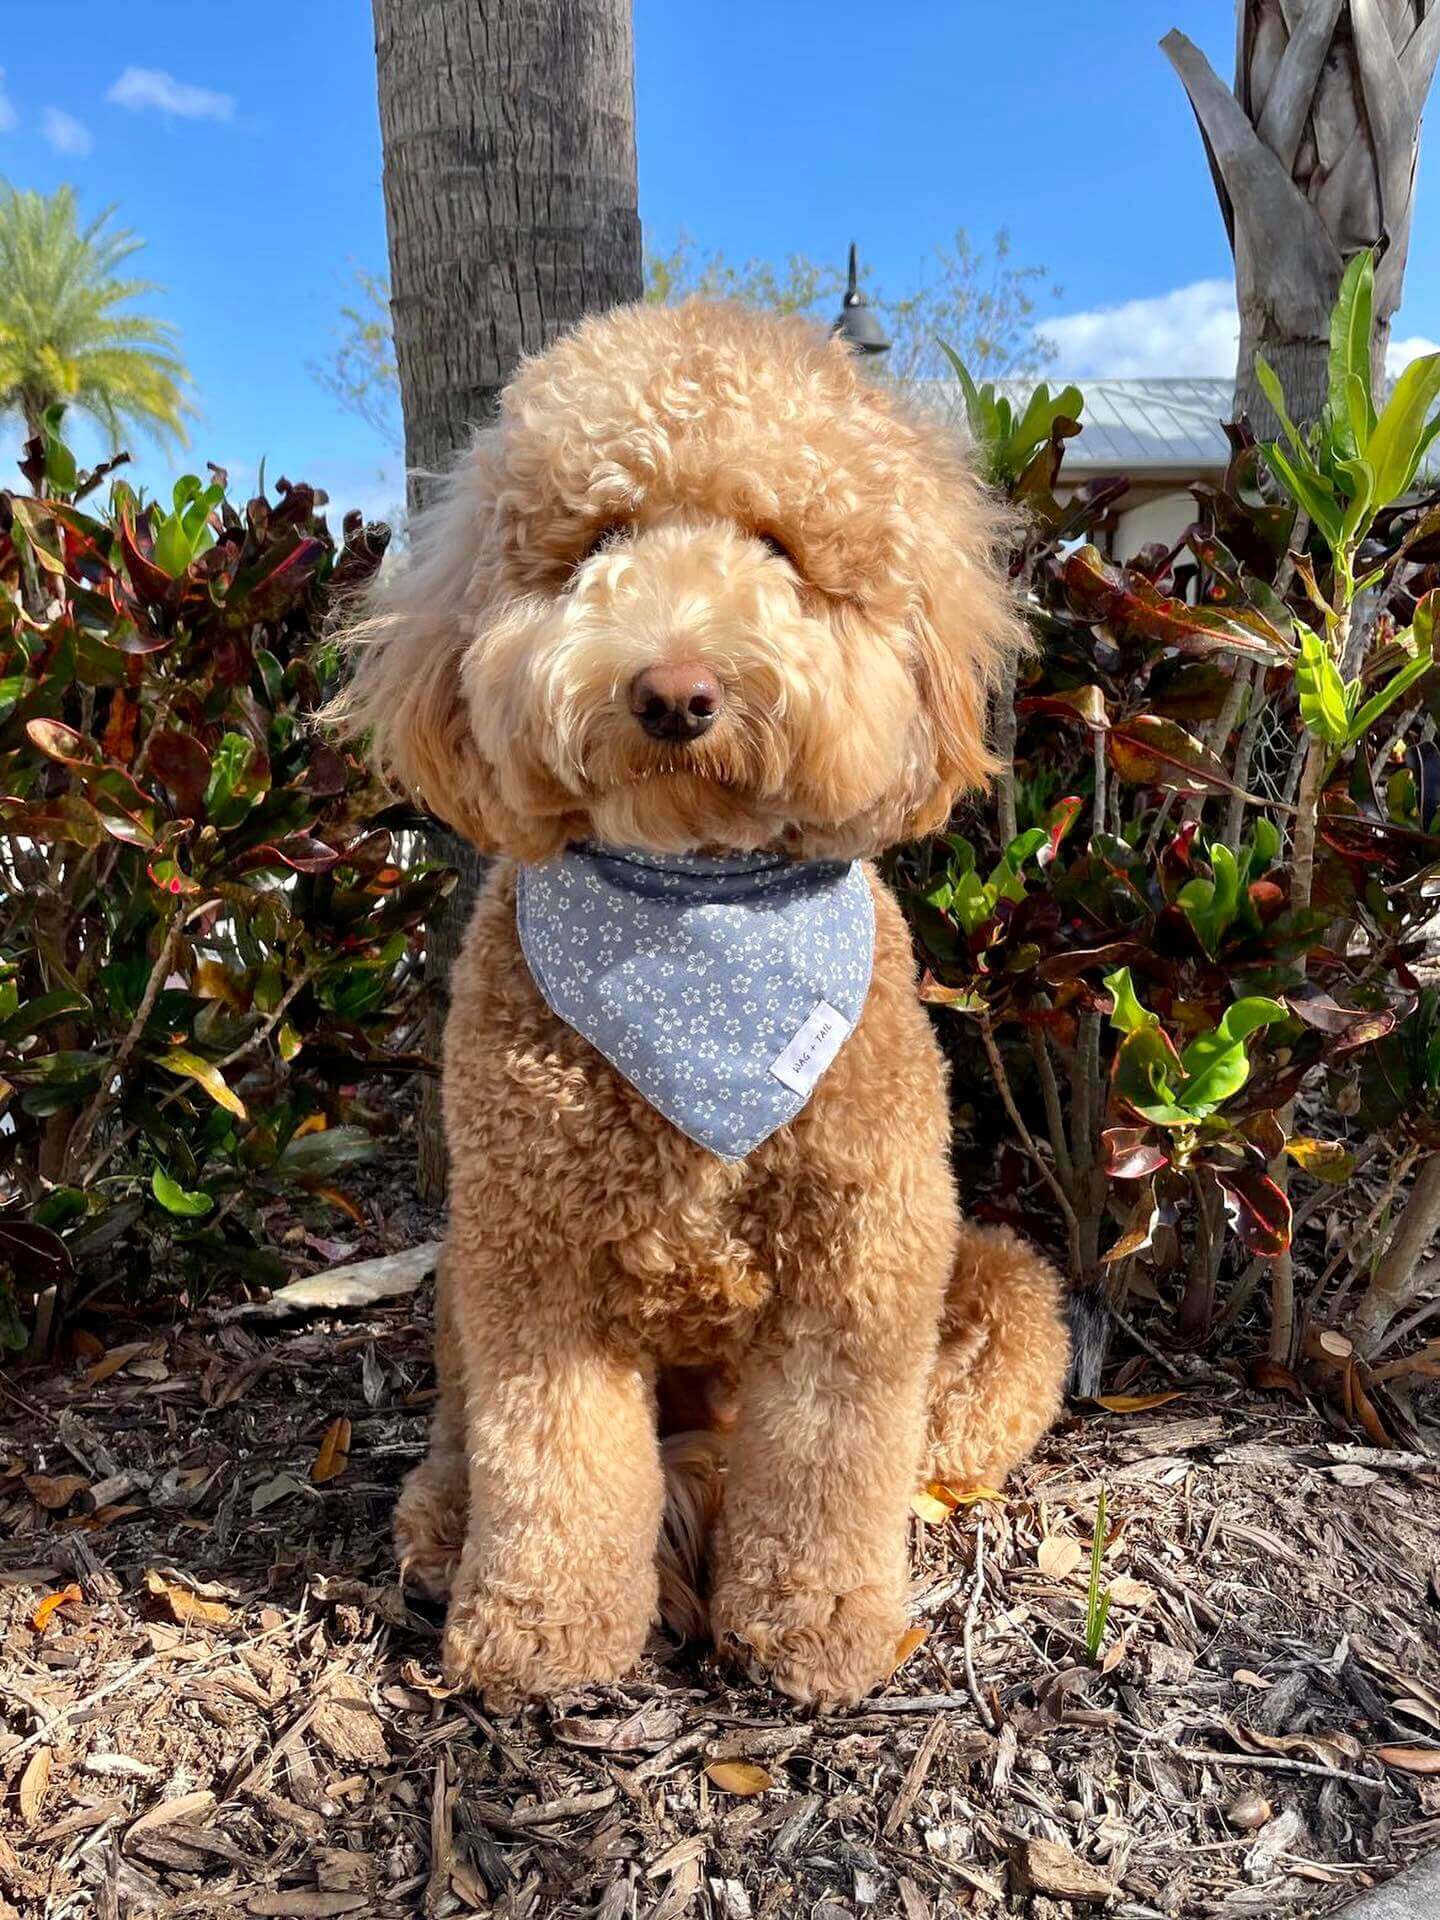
x=215, y=1700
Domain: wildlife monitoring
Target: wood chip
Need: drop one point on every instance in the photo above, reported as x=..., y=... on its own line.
x=347, y=1725
x=915, y=1777
x=183, y=1807
x=305, y=1903
x=1042, y=1866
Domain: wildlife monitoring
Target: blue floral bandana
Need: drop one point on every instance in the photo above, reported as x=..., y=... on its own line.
x=721, y=988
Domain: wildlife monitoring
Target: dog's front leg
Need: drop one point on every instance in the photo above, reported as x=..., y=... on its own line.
x=557, y=1584
x=810, y=1564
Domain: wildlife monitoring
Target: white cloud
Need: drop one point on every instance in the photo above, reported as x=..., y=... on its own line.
x=142, y=87
x=65, y=133
x=1400, y=353
x=1192, y=331
x=9, y=119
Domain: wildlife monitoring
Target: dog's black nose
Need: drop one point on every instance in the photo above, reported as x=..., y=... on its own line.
x=676, y=701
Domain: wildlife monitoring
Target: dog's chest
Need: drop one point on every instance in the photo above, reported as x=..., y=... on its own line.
x=688, y=1282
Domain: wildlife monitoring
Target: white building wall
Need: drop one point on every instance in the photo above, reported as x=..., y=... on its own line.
x=1162, y=520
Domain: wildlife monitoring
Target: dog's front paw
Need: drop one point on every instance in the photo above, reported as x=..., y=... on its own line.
x=509, y=1653
x=822, y=1649
x=430, y=1518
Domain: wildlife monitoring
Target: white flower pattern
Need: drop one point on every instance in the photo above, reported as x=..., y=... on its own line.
x=691, y=975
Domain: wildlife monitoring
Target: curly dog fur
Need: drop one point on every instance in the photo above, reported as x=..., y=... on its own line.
x=699, y=484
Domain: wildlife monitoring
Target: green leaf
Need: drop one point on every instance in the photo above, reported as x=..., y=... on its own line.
x=1360, y=479
x=60, y=468
x=974, y=413
x=1398, y=684
x=1270, y=386
x=1145, y=1067
x=1351, y=327
x=1400, y=434
x=177, y=1199
x=1323, y=706
x=1211, y=905
x=35, y=1013
x=1313, y=492
x=315, y=1155
x=1127, y=1014
x=1216, y=1065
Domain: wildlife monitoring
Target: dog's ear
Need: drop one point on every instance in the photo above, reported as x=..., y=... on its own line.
x=967, y=632
x=406, y=644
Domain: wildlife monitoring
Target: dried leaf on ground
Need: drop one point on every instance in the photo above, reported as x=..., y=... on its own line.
x=1410, y=1759
x=740, y=1777
x=1137, y=1402
x=115, y=1360
x=185, y=1607
x=333, y=1456
x=906, y=1645
x=1058, y=1555
x=33, y=1783
x=52, y=1604
x=54, y=1491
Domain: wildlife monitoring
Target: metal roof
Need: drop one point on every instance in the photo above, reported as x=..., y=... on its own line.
x=1128, y=426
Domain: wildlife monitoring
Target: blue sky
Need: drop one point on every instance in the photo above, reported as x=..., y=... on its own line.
x=249, y=159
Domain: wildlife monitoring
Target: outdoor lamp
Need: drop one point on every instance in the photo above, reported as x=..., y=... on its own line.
x=857, y=325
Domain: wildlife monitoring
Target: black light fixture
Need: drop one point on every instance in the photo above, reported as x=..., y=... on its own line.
x=858, y=325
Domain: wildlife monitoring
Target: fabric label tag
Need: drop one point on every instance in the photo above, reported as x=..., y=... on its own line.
x=801, y=1064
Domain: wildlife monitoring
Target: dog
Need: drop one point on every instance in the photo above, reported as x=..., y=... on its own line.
x=703, y=594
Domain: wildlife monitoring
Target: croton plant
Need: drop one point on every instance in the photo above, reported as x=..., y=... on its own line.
x=209, y=919
x=1187, y=942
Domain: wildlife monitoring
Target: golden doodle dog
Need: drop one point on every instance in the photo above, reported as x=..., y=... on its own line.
x=701, y=625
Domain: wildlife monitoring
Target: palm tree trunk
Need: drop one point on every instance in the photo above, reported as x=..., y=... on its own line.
x=1313, y=157
x=510, y=200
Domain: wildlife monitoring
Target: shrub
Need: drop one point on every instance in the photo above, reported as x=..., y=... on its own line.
x=1183, y=935
x=207, y=928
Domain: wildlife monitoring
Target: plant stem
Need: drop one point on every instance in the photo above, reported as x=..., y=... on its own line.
x=1054, y=1112
x=1005, y=730
x=1244, y=754
x=107, y=1093
x=1027, y=1139
x=1392, y=1289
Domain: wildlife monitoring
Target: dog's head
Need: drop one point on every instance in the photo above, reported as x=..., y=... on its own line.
x=702, y=586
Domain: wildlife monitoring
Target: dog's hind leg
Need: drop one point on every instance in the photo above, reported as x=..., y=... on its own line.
x=432, y=1510
x=1004, y=1352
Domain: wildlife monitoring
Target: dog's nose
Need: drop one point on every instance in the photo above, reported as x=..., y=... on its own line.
x=676, y=701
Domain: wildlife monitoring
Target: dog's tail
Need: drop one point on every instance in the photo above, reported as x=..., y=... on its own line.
x=1004, y=1352
x=694, y=1465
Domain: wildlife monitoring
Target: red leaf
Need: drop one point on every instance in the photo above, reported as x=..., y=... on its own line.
x=1150, y=751
x=1127, y=601
x=1350, y=1027
x=1131, y=1153
x=1259, y=1211
x=182, y=765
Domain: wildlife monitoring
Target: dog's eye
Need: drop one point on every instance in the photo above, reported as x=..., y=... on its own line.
x=778, y=548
